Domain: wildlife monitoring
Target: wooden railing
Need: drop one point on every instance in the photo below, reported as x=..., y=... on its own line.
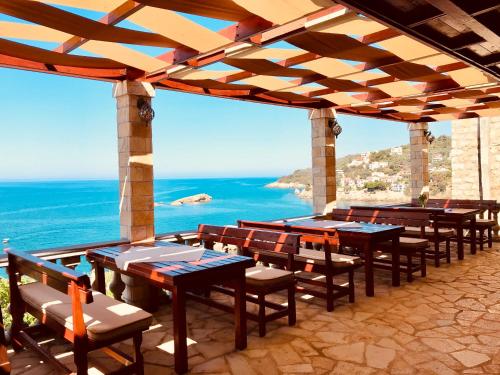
x=70, y=255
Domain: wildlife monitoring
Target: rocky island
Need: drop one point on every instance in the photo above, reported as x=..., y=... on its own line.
x=192, y=199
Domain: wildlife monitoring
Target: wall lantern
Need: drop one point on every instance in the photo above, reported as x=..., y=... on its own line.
x=146, y=113
x=428, y=135
x=334, y=125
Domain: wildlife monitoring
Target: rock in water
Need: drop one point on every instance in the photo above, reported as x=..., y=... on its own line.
x=193, y=199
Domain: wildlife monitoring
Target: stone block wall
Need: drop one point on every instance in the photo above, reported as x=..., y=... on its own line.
x=464, y=158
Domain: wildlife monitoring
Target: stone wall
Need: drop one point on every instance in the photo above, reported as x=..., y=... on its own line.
x=464, y=158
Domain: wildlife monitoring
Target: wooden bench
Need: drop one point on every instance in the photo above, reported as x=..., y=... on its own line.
x=488, y=208
x=62, y=300
x=409, y=247
x=260, y=281
x=5, y=366
x=432, y=232
x=325, y=262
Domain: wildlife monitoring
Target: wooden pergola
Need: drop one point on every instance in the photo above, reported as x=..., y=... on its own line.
x=418, y=61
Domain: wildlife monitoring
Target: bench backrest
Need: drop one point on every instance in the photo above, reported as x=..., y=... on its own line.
x=251, y=241
x=486, y=205
x=63, y=279
x=382, y=216
x=327, y=237
x=314, y=235
x=54, y=275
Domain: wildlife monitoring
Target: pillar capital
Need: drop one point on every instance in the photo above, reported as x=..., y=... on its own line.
x=321, y=113
x=418, y=126
x=122, y=88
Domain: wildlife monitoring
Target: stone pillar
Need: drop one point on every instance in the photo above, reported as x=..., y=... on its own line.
x=135, y=150
x=323, y=160
x=465, y=160
x=419, y=160
x=136, y=184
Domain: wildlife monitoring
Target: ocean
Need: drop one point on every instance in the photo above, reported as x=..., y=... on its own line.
x=41, y=215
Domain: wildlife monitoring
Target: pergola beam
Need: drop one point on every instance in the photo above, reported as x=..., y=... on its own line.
x=112, y=18
x=396, y=19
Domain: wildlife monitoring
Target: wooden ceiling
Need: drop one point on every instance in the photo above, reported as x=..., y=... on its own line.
x=418, y=60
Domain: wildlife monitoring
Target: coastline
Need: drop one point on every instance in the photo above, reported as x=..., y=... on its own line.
x=304, y=192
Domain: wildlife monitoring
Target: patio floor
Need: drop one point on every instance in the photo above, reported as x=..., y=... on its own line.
x=446, y=323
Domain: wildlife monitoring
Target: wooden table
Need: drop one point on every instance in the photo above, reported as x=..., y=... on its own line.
x=443, y=217
x=458, y=217
x=364, y=237
x=179, y=277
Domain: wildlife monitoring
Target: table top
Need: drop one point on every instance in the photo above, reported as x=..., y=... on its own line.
x=174, y=270
x=366, y=228
x=435, y=210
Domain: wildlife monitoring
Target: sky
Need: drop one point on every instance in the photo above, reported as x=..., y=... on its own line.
x=55, y=127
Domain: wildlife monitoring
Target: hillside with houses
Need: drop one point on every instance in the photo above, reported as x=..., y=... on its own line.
x=384, y=174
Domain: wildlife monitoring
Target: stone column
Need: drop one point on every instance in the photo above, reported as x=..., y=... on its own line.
x=323, y=160
x=136, y=183
x=464, y=158
x=419, y=160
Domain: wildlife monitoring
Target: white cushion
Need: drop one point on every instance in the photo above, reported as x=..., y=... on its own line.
x=318, y=257
x=104, y=318
x=265, y=276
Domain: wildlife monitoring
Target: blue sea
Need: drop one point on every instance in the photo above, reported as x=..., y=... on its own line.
x=41, y=215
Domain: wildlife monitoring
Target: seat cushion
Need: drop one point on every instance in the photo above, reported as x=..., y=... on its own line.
x=407, y=244
x=429, y=232
x=265, y=276
x=485, y=223
x=318, y=257
x=105, y=318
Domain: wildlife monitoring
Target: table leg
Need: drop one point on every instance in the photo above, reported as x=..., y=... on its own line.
x=460, y=240
x=240, y=312
x=368, y=250
x=473, y=235
x=100, y=282
x=180, y=332
x=396, y=276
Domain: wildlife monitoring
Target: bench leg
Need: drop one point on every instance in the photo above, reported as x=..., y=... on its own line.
x=81, y=360
x=138, y=359
x=292, y=312
x=490, y=237
x=436, y=253
x=329, y=293
x=448, y=251
x=16, y=327
x=481, y=239
x=423, y=264
x=409, y=268
x=262, y=315
x=351, y=286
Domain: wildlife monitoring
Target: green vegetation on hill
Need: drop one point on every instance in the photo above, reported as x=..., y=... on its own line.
x=397, y=168
x=299, y=176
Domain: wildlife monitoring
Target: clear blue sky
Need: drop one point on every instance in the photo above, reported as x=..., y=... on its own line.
x=56, y=127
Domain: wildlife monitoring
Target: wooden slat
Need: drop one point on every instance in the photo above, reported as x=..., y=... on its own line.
x=77, y=25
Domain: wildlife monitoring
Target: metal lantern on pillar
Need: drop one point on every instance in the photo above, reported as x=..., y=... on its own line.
x=334, y=125
x=146, y=113
x=428, y=135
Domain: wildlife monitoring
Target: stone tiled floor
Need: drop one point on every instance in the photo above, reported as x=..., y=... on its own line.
x=447, y=323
